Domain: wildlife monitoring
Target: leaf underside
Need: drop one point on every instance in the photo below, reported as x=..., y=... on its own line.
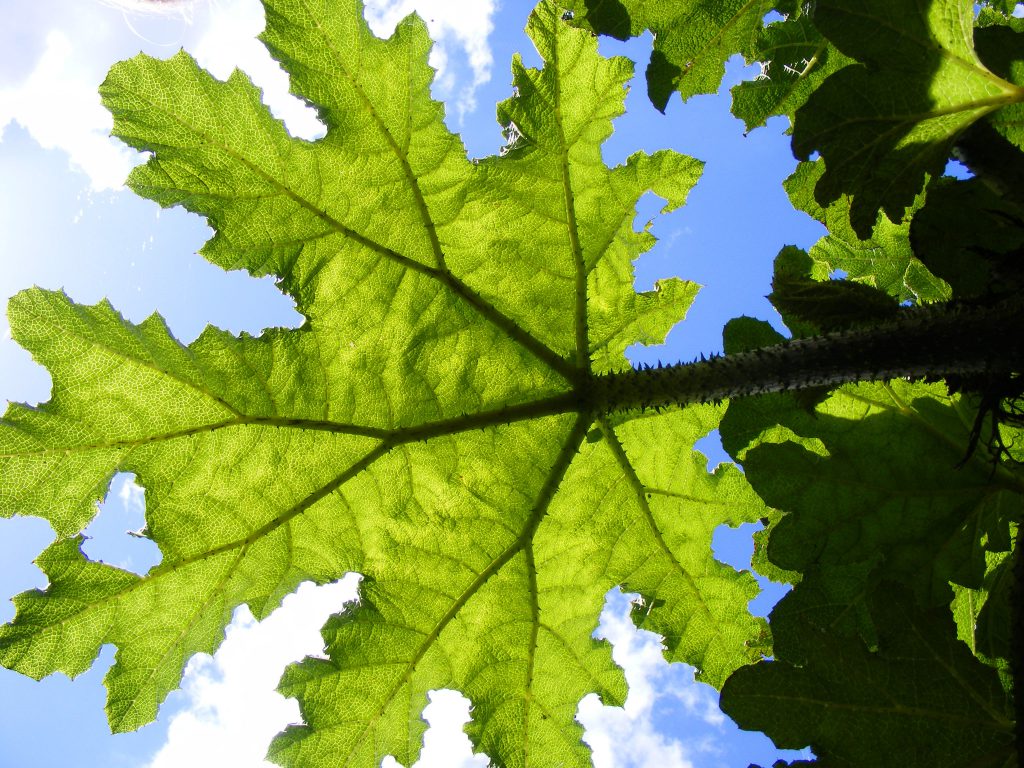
x=880, y=512
x=888, y=122
x=882, y=89
x=427, y=426
x=693, y=39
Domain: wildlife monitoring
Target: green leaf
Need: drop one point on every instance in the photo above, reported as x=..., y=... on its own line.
x=1000, y=42
x=429, y=425
x=984, y=616
x=821, y=306
x=970, y=236
x=514, y=632
x=885, y=260
x=1002, y=6
x=795, y=59
x=992, y=626
x=885, y=124
x=919, y=699
x=870, y=481
x=760, y=561
x=692, y=39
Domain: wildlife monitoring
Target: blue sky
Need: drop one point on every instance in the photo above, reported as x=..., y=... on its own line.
x=66, y=222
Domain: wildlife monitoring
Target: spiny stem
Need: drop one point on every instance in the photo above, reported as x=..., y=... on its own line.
x=922, y=342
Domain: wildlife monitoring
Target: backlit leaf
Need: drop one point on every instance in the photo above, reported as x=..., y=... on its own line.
x=428, y=426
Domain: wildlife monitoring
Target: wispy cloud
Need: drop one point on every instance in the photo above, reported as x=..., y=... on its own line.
x=626, y=737
x=233, y=710
x=132, y=495
x=59, y=106
x=461, y=27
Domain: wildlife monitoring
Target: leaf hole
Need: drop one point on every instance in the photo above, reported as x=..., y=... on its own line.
x=445, y=744
x=958, y=170
x=735, y=547
x=21, y=540
x=711, y=447
x=229, y=704
x=115, y=534
x=668, y=719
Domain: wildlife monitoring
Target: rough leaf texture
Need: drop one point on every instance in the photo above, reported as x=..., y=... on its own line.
x=692, y=39
x=886, y=122
x=921, y=692
x=428, y=426
x=876, y=524
x=884, y=260
x=795, y=58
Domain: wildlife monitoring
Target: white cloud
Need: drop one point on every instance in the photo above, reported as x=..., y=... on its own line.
x=625, y=737
x=464, y=25
x=230, y=42
x=58, y=103
x=233, y=709
x=445, y=744
x=132, y=495
x=59, y=106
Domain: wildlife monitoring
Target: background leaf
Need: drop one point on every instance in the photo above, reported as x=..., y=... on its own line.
x=885, y=260
x=884, y=124
x=692, y=39
x=795, y=59
x=920, y=699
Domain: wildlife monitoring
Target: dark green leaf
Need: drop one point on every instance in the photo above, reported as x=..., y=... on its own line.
x=885, y=124
x=822, y=306
x=885, y=260
x=871, y=479
x=919, y=700
x=971, y=237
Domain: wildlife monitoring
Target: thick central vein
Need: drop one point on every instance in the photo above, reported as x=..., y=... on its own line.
x=569, y=200
x=413, y=434
x=548, y=406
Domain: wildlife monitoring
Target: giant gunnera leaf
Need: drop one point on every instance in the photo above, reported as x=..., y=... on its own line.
x=890, y=120
x=429, y=426
x=919, y=699
x=693, y=39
